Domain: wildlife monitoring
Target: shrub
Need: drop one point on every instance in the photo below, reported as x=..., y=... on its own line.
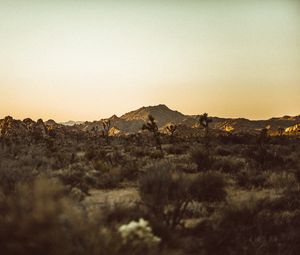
x=110, y=179
x=281, y=180
x=201, y=158
x=228, y=164
x=249, y=178
x=165, y=193
x=76, y=176
x=121, y=213
x=265, y=158
x=168, y=193
x=94, y=154
x=11, y=177
x=39, y=219
x=257, y=226
x=137, y=235
x=138, y=152
x=290, y=199
x=177, y=149
x=208, y=187
x=156, y=154
x=220, y=150
x=130, y=170
x=101, y=166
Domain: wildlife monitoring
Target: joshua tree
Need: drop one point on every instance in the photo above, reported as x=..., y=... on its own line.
x=263, y=138
x=152, y=127
x=204, y=121
x=171, y=130
x=106, y=127
x=262, y=152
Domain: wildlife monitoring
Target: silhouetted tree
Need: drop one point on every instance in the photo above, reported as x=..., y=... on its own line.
x=171, y=130
x=153, y=128
x=204, y=121
x=262, y=150
x=263, y=138
x=106, y=127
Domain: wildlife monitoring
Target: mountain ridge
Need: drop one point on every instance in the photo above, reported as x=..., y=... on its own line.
x=132, y=121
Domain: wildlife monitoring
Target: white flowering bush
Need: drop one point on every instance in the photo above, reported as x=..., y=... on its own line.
x=138, y=234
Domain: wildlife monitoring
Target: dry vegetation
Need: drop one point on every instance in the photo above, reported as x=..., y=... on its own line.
x=208, y=194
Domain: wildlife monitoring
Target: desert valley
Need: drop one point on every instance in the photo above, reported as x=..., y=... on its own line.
x=153, y=180
x=149, y=127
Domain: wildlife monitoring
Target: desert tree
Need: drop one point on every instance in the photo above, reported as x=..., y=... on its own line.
x=153, y=128
x=106, y=127
x=171, y=130
x=204, y=122
x=262, y=152
x=263, y=138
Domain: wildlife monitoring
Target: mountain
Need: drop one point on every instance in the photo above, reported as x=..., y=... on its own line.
x=132, y=122
x=161, y=113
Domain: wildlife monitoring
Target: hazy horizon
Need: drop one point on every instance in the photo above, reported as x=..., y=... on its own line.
x=72, y=60
x=119, y=115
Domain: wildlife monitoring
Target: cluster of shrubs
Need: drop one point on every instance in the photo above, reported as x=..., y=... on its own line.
x=169, y=195
x=39, y=218
x=185, y=200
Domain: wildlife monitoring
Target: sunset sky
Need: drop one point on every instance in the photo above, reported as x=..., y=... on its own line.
x=86, y=60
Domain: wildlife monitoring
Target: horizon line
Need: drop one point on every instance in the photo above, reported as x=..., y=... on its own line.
x=213, y=116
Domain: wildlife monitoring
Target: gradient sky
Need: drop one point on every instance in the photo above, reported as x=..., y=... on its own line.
x=86, y=60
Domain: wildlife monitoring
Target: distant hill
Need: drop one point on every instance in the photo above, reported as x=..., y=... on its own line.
x=161, y=113
x=132, y=122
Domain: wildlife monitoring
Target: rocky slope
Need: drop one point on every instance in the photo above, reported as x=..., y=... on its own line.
x=132, y=122
x=29, y=130
x=161, y=113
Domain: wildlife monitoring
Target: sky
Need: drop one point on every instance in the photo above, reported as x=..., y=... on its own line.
x=87, y=60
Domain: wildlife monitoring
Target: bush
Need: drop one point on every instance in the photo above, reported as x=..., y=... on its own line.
x=220, y=150
x=39, y=219
x=30, y=222
x=94, y=154
x=168, y=193
x=76, y=176
x=201, y=157
x=281, y=180
x=208, y=187
x=130, y=171
x=121, y=213
x=249, y=178
x=265, y=157
x=101, y=166
x=165, y=193
x=11, y=177
x=156, y=154
x=177, y=149
x=257, y=226
x=110, y=179
x=138, y=236
x=228, y=164
x=138, y=152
